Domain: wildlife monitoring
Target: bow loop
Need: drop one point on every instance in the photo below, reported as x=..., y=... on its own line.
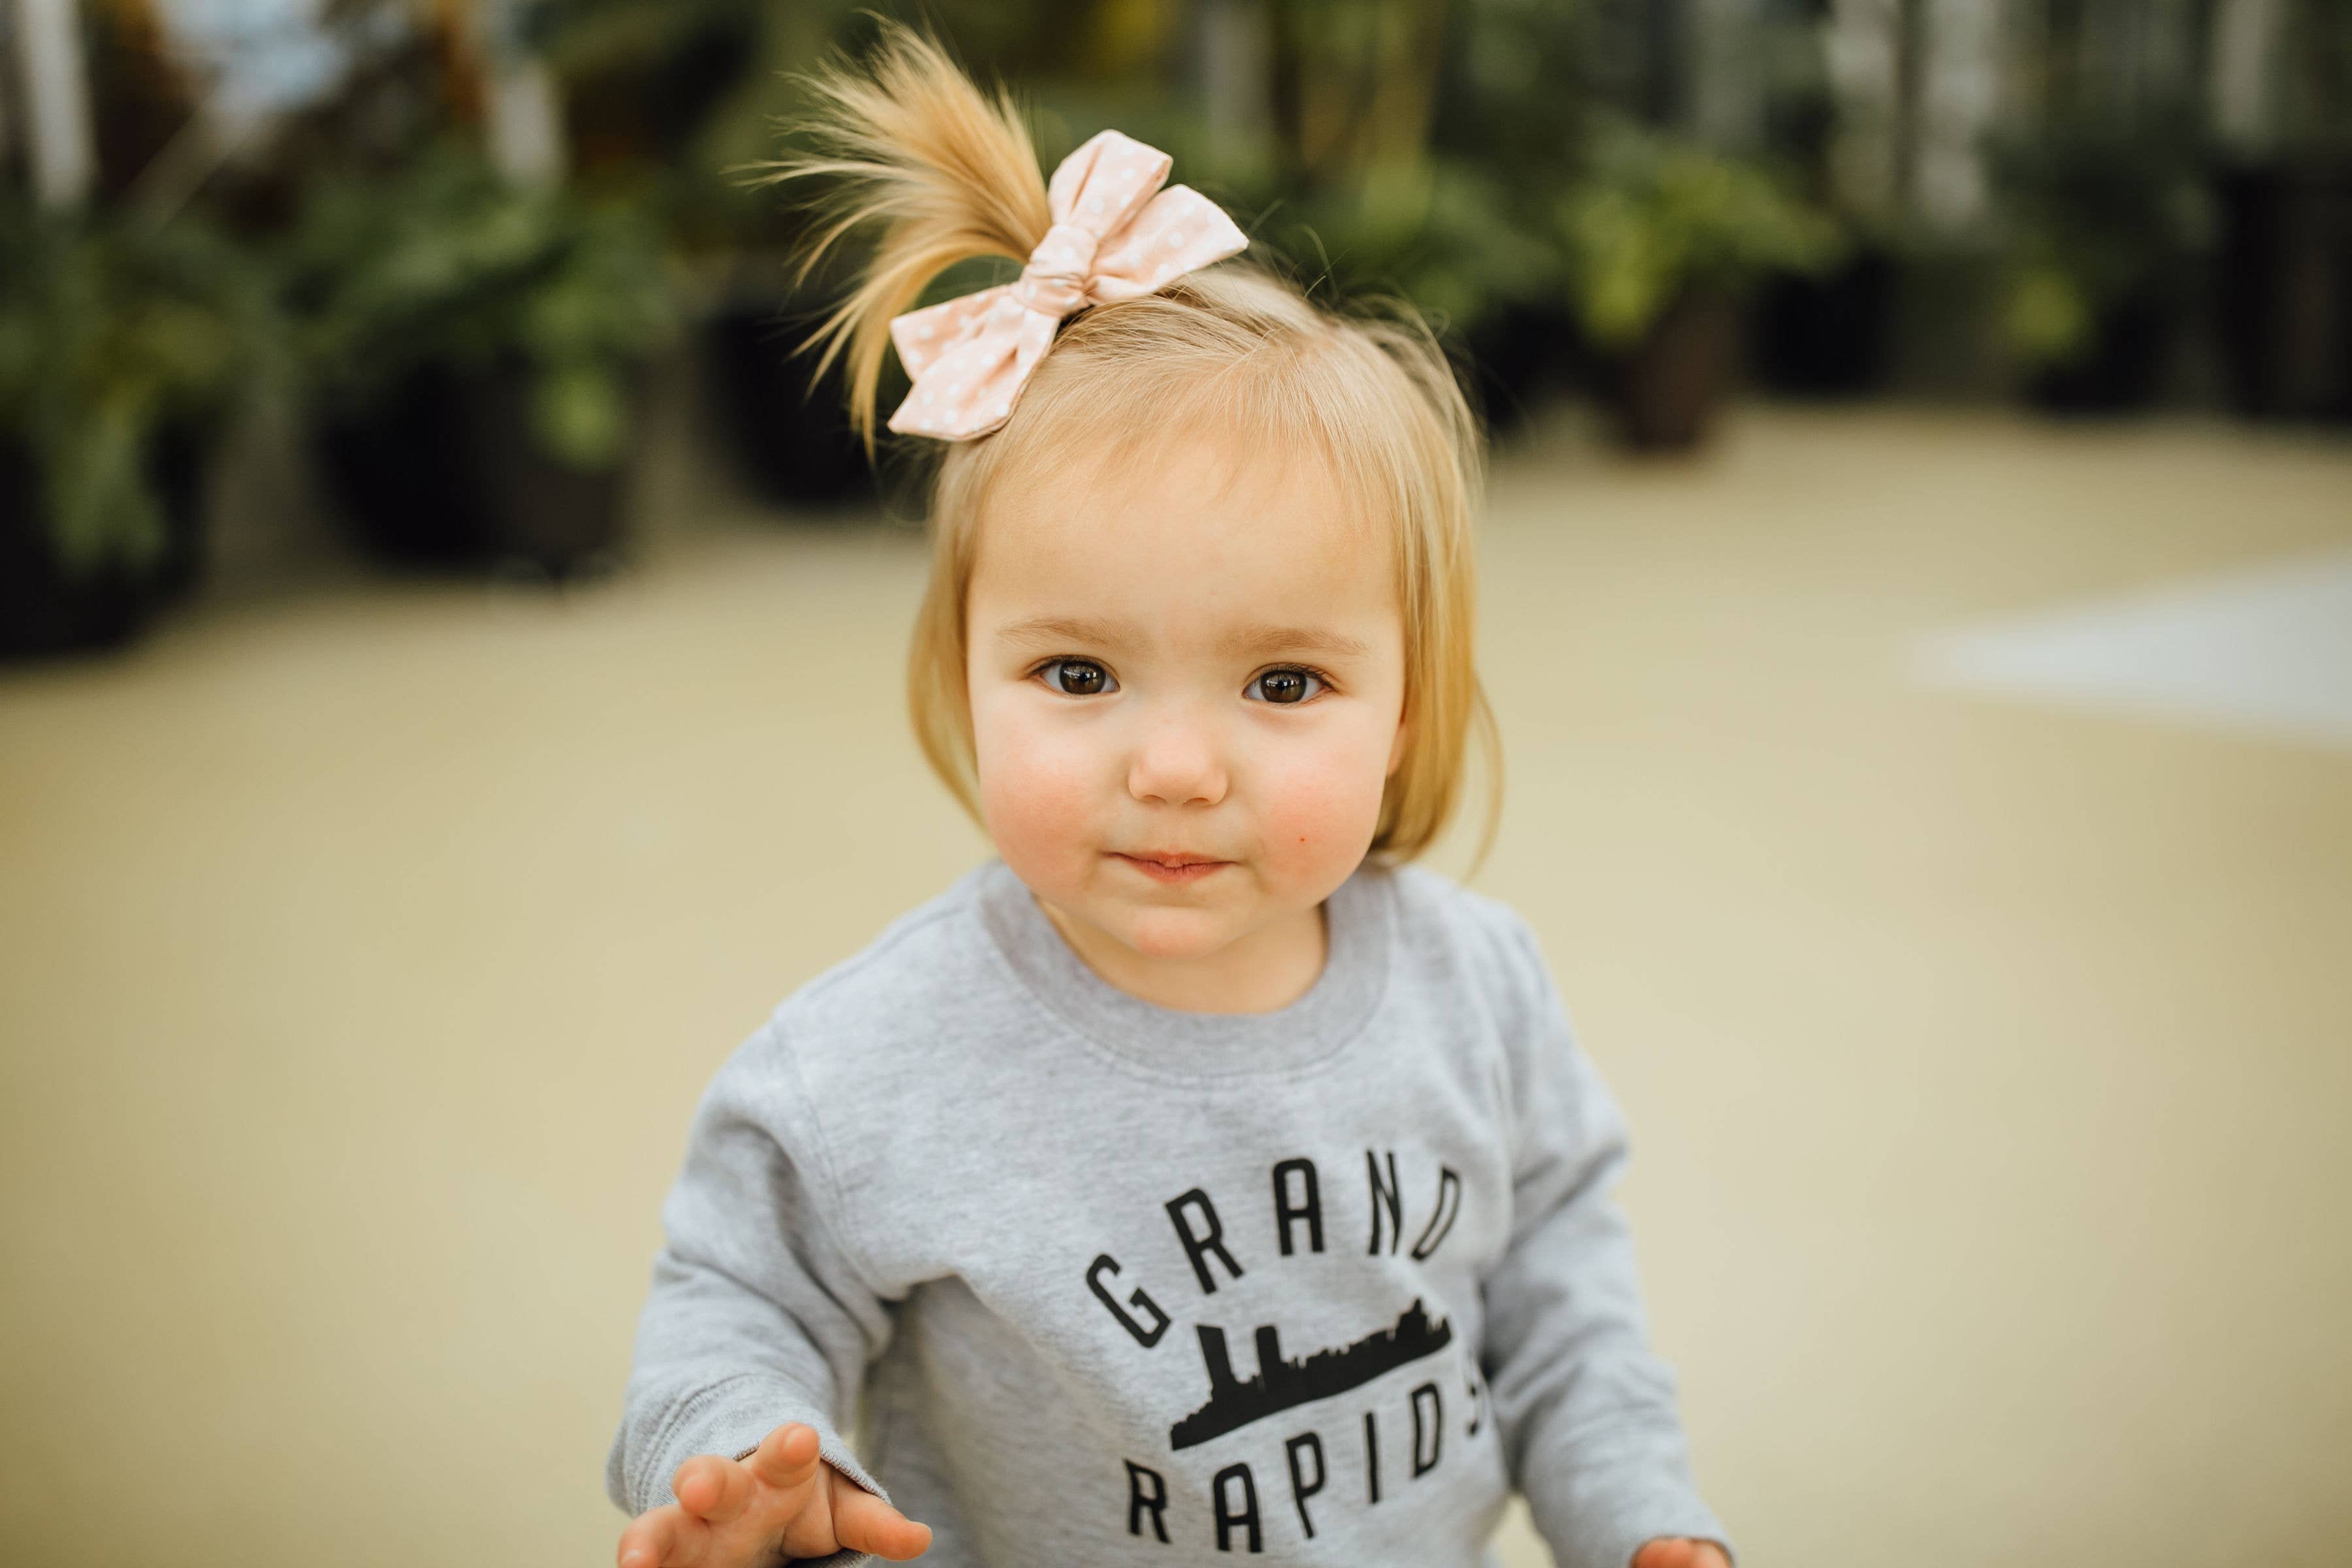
x=1116, y=234
x=1106, y=182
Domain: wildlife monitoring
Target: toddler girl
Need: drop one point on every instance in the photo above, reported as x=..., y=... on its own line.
x=1197, y=1175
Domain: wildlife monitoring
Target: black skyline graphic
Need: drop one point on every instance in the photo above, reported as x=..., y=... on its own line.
x=1280, y=1384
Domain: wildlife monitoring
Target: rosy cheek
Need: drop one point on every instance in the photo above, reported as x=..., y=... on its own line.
x=1319, y=814
x=1037, y=787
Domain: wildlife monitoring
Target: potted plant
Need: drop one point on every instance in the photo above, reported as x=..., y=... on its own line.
x=2104, y=228
x=1659, y=239
x=789, y=435
x=1828, y=334
x=2283, y=269
x=699, y=87
x=1442, y=233
x=123, y=347
x=2282, y=285
x=1416, y=149
x=478, y=348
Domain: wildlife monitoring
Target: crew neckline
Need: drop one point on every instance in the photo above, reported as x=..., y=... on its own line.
x=1179, y=1044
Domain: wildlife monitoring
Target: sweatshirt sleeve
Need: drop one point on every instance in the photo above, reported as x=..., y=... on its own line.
x=1585, y=1409
x=758, y=1313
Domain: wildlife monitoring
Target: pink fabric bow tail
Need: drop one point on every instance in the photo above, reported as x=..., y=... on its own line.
x=1112, y=238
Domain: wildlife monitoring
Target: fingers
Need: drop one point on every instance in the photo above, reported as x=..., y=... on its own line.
x=786, y=1457
x=713, y=1488
x=1673, y=1552
x=665, y=1537
x=864, y=1522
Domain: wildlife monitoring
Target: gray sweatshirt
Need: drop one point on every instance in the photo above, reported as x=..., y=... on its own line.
x=1093, y=1281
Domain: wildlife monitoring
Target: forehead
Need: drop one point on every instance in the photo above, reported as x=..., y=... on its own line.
x=1197, y=536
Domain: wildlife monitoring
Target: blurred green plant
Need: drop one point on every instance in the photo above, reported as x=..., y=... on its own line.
x=112, y=330
x=1651, y=216
x=1437, y=231
x=446, y=263
x=699, y=89
x=690, y=88
x=2098, y=217
x=1405, y=140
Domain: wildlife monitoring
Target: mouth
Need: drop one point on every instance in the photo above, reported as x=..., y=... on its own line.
x=1171, y=866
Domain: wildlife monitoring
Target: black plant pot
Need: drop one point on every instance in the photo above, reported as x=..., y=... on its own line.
x=43, y=610
x=407, y=472
x=1664, y=392
x=792, y=440
x=1517, y=355
x=2283, y=290
x=544, y=512
x=1829, y=336
x=446, y=471
x=2120, y=370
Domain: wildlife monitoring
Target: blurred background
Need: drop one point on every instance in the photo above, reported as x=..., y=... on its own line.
x=450, y=690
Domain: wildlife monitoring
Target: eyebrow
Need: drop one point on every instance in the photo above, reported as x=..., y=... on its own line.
x=1256, y=638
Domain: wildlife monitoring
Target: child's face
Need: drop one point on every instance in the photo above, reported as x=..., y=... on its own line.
x=1165, y=714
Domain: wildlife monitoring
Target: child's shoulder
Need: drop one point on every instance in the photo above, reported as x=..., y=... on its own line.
x=906, y=976
x=1476, y=928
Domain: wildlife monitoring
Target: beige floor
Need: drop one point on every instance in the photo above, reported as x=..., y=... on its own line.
x=363, y=949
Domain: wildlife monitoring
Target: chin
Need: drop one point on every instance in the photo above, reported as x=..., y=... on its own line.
x=1171, y=933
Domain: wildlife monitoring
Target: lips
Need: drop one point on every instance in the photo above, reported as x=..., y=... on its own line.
x=1174, y=858
x=1175, y=869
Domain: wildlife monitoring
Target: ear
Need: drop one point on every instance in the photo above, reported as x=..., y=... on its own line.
x=1396, y=750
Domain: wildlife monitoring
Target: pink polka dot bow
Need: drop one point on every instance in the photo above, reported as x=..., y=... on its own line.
x=1112, y=238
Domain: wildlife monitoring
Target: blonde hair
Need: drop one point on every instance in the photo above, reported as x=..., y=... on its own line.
x=907, y=142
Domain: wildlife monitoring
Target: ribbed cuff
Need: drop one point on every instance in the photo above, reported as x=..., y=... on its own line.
x=1615, y=1494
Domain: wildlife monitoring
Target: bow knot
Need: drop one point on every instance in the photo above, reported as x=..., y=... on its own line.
x=1055, y=282
x=1116, y=234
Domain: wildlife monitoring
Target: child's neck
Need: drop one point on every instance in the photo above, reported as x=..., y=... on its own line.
x=1260, y=972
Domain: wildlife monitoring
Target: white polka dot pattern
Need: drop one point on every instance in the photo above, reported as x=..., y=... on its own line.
x=1112, y=238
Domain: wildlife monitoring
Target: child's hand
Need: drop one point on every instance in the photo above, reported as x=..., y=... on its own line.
x=1674, y=1552
x=734, y=1514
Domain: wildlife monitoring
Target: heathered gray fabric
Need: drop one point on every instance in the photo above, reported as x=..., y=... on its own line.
x=966, y=1197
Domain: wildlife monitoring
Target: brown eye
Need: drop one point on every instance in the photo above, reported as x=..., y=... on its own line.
x=1286, y=688
x=1078, y=677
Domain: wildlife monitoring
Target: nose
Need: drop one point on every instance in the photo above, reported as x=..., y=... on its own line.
x=1177, y=761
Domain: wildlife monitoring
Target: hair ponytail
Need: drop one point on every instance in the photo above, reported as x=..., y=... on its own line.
x=906, y=140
